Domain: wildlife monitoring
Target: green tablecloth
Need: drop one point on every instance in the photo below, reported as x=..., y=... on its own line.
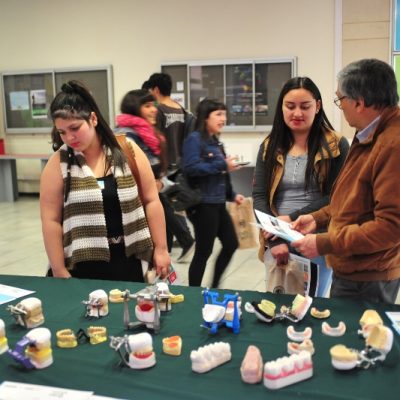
x=95, y=367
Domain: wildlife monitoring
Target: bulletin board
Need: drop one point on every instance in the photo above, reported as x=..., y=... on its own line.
x=27, y=95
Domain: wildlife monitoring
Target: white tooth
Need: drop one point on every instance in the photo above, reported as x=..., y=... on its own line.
x=272, y=368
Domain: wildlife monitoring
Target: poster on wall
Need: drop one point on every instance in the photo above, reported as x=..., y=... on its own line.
x=179, y=98
x=19, y=100
x=38, y=103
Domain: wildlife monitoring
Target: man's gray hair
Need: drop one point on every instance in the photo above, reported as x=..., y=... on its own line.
x=372, y=80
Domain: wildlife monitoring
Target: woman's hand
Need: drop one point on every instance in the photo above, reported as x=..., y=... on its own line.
x=280, y=253
x=231, y=163
x=239, y=199
x=161, y=261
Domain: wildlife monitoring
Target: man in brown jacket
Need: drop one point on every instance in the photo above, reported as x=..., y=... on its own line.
x=362, y=242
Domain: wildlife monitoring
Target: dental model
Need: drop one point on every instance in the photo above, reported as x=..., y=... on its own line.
x=3, y=339
x=230, y=310
x=97, y=305
x=177, y=298
x=97, y=334
x=251, y=369
x=300, y=306
x=320, y=314
x=298, y=336
x=139, y=347
x=115, y=296
x=333, y=331
x=172, y=345
x=28, y=312
x=378, y=345
x=369, y=319
x=288, y=370
x=66, y=338
x=265, y=311
x=34, y=349
x=213, y=313
x=164, y=296
x=210, y=356
x=296, y=348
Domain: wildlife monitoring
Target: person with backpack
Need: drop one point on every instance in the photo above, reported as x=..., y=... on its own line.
x=175, y=123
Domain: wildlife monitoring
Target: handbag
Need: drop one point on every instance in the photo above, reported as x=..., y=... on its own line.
x=244, y=222
x=298, y=276
x=183, y=195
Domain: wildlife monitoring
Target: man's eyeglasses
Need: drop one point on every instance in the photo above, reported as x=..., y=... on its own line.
x=338, y=101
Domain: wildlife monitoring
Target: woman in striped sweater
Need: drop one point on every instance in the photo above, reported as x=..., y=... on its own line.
x=95, y=225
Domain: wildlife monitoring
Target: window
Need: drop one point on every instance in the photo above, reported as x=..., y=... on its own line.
x=396, y=41
x=249, y=88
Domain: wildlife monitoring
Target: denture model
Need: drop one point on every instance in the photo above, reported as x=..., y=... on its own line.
x=3, y=339
x=288, y=370
x=163, y=296
x=369, y=319
x=265, y=310
x=213, y=313
x=116, y=296
x=210, y=356
x=320, y=314
x=145, y=311
x=230, y=309
x=298, y=336
x=97, y=306
x=34, y=349
x=28, y=312
x=141, y=351
x=97, y=334
x=177, y=298
x=251, y=369
x=300, y=306
x=378, y=344
x=333, y=331
x=66, y=338
x=172, y=345
x=296, y=348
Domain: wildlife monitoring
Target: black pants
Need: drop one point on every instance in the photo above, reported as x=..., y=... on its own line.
x=176, y=226
x=374, y=291
x=120, y=268
x=211, y=221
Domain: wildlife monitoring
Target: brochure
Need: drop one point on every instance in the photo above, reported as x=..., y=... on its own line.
x=277, y=227
x=394, y=316
x=10, y=293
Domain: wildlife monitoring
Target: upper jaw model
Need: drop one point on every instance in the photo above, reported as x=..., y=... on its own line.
x=28, y=312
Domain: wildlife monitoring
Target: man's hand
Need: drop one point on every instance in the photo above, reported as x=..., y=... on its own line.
x=304, y=224
x=307, y=246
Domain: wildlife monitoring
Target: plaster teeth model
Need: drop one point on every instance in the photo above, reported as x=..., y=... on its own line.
x=97, y=334
x=380, y=339
x=230, y=309
x=288, y=370
x=369, y=319
x=145, y=311
x=210, y=356
x=97, y=306
x=333, y=331
x=39, y=351
x=66, y=338
x=28, y=312
x=265, y=310
x=116, y=296
x=320, y=314
x=343, y=358
x=172, y=345
x=213, y=313
x=141, y=351
x=163, y=295
x=296, y=348
x=251, y=369
x=298, y=336
x=3, y=339
x=300, y=306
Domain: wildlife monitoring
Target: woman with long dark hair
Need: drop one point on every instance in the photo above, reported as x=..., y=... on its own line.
x=207, y=166
x=297, y=164
x=95, y=225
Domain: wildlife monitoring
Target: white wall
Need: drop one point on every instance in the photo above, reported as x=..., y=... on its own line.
x=137, y=36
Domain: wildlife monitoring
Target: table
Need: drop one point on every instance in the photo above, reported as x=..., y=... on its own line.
x=95, y=367
x=8, y=173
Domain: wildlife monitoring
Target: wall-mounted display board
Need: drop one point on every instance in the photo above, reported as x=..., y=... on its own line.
x=27, y=95
x=249, y=88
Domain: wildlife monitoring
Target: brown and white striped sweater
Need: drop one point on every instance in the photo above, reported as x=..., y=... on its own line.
x=84, y=223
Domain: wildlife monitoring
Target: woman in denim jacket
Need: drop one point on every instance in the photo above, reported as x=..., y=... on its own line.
x=207, y=167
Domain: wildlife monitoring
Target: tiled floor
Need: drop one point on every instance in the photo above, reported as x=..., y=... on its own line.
x=22, y=251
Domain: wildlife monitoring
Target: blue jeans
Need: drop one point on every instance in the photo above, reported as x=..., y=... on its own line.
x=324, y=276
